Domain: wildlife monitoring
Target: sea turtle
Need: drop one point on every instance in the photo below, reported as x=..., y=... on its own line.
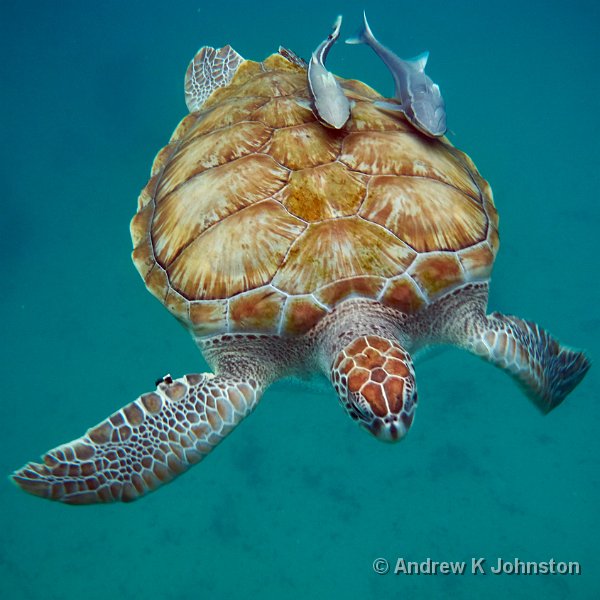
x=286, y=247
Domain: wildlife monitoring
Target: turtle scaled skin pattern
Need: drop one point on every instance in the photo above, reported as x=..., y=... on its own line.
x=285, y=248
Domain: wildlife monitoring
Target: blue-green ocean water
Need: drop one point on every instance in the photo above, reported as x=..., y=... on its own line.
x=298, y=502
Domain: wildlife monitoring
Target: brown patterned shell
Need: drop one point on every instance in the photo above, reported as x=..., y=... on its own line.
x=257, y=218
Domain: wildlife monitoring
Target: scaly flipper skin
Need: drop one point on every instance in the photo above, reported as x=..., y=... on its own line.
x=210, y=69
x=547, y=371
x=145, y=444
x=292, y=57
x=375, y=381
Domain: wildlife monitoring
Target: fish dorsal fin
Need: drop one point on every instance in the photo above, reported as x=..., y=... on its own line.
x=420, y=61
x=210, y=69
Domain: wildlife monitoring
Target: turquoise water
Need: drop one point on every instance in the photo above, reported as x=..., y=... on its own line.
x=299, y=502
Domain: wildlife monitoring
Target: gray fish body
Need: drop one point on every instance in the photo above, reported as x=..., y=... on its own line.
x=331, y=105
x=420, y=99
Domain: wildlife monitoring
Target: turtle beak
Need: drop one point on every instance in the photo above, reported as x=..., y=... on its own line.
x=391, y=428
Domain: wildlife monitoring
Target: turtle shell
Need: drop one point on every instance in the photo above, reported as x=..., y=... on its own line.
x=257, y=218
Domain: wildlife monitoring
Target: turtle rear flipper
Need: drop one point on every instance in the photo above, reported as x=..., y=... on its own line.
x=145, y=444
x=546, y=370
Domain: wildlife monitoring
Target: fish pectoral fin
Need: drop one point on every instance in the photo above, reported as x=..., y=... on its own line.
x=304, y=103
x=389, y=106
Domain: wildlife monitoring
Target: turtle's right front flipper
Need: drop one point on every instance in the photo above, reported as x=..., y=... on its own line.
x=145, y=444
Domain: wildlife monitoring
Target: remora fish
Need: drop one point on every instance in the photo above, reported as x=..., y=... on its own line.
x=330, y=103
x=420, y=99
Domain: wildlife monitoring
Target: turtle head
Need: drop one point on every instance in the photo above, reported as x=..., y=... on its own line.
x=375, y=381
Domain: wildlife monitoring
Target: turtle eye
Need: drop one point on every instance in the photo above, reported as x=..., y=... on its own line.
x=359, y=406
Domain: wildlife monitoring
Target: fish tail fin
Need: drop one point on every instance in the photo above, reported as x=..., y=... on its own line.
x=364, y=36
x=336, y=25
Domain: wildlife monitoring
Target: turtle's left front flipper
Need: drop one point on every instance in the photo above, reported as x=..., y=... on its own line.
x=145, y=444
x=546, y=370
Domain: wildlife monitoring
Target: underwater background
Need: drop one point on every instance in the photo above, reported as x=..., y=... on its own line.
x=299, y=502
